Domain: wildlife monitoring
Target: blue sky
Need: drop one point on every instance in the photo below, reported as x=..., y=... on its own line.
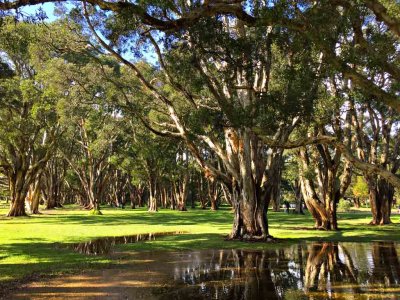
x=47, y=7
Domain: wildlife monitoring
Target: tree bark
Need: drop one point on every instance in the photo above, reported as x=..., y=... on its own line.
x=213, y=194
x=35, y=197
x=19, y=191
x=250, y=201
x=381, y=198
x=152, y=207
x=181, y=192
x=299, y=197
x=319, y=209
x=275, y=180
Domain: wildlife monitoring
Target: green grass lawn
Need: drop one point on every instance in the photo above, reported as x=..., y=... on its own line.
x=27, y=244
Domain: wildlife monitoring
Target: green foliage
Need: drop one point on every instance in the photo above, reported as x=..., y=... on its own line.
x=344, y=205
x=28, y=127
x=360, y=189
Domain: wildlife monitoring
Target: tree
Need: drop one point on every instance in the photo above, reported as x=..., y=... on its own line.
x=228, y=105
x=322, y=23
x=245, y=66
x=377, y=144
x=28, y=126
x=92, y=129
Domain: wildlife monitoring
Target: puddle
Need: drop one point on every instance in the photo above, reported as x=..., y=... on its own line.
x=104, y=246
x=323, y=270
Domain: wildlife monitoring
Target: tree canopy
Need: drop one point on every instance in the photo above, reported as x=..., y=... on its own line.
x=158, y=101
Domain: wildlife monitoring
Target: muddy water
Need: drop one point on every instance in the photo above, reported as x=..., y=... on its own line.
x=304, y=271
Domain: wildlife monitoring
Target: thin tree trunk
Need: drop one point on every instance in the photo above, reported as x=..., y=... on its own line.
x=152, y=196
x=35, y=197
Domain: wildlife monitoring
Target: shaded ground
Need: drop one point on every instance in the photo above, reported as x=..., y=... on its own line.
x=27, y=244
x=317, y=270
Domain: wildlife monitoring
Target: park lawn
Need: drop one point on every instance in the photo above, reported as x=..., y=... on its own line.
x=28, y=244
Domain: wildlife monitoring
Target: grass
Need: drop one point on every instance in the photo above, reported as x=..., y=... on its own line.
x=27, y=244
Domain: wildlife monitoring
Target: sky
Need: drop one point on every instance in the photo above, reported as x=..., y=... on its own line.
x=48, y=8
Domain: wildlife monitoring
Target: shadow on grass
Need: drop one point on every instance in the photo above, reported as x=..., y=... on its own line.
x=165, y=217
x=44, y=260
x=43, y=257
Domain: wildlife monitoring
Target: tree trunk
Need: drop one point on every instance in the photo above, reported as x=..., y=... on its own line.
x=172, y=202
x=132, y=198
x=315, y=206
x=152, y=196
x=181, y=191
x=35, y=197
x=94, y=204
x=299, y=197
x=227, y=194
x=249, y=193
x=331, y=199
x=53, y=185
x=275, y=168
x=164, y=197
x=213, y=194
x=201, y=193
x=381, y=199
x=17, y=206
x=19, y=191
x=250, y=219
x=250, y=212
x=139, y=195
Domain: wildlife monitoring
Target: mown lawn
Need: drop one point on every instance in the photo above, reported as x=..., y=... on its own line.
x=27, y=245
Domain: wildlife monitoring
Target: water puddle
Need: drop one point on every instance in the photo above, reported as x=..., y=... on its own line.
x=322, y=270
x=104, y=246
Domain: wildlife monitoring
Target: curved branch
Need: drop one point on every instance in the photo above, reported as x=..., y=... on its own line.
x=357, y=163
x=370, y=168
x=321, y=139
x=381, y=14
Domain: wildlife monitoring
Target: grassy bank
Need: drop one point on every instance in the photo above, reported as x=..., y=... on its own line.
x=27, y=244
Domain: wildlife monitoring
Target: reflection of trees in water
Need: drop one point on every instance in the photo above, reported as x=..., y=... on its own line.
x=325, y=268
x=105, y=245
x=386, y=269
x=330, y=268
x=95, y=247
x=239, y=274
x=322, y=270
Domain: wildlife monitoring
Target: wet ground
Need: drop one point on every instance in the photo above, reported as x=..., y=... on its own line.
x=106, y=245
x=305, y=271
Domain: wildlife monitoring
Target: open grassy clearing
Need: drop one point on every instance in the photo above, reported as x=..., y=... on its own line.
x=27, y=245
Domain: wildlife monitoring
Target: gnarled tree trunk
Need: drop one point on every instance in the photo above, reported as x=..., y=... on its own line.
x=381, y=198
x=250, y=202
x=181, y=192
x=19, y=191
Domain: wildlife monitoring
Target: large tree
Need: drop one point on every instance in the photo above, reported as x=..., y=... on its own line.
x=29, y=125
x=234, y=78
